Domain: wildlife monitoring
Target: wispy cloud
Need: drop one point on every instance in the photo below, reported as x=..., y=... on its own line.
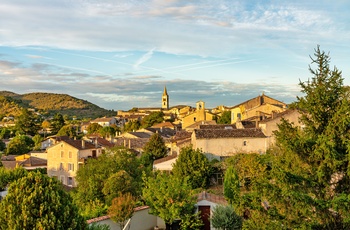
x=144, y=58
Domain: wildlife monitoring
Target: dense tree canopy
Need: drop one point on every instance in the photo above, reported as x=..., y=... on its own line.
x=122, y=209
x=225, y=118
x=152, y=118
x=56, y=123
x=20, y=144
x=27, y=122
x=154, y=149
x=304, y=182
x=38, y=202
x=100, y=179
x=194, y=165
x=68, y=130
x=94, y=128
x=169, y=197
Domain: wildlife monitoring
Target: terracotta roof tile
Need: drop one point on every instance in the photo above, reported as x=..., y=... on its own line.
x=227, y=133
x=164, y=159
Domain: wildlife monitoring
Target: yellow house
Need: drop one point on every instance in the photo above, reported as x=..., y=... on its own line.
x=200, y=114
x=67, y=156
x=257, y=109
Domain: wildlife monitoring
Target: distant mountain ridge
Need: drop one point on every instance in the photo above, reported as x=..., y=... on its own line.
x=50, y=104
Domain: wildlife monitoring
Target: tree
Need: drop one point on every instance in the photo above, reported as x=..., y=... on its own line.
x=57, y=123
x=154, y=149
x=194, y=165
x=2, y=145
x=118, y=183
x=67, y=130
x=303, y=183
x=94, y=128
x=43, y=204
x=26, y=123
x=122, y=209
x=93, y=177
x=225, y=218
x=5, y=133
x=225, y=118
x=169, y=197
x=20, y=144
x=37, y=139
x=45, y=125
x=107, y=131
x=131, y=126
x=231, y=185
x=152, y=118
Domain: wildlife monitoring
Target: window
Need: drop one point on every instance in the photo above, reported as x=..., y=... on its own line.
x=194, y=119
x=244, y=143
x=70, y=181
x=238, y=115
x=70, y=167
x=62, y=154
x=61, y=166
x=70, y=154
x=94, y=153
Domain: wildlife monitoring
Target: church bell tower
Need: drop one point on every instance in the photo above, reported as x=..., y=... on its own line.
x=165, y=99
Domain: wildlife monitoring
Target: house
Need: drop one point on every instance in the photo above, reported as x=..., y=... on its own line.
x=65, y=157
x=52, y=140
x=141, y=220
x=165, y=163
x=268, y=126
x=257, y=109
x=219, y=143
x=26, y=161
x=206, y=202
x=105, y=121
x=200, y=114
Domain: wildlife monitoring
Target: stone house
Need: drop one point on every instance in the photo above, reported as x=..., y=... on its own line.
x=67, y=156
x=257, y=109
x=105, y=121
x=200, y=114
x=220, y=143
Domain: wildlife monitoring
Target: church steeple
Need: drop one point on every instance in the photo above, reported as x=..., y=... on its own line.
x=165, y=99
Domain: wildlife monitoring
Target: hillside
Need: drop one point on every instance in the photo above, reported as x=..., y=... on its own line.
x=50, y=104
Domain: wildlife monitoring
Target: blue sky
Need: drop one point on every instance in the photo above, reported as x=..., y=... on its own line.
x=120, y=54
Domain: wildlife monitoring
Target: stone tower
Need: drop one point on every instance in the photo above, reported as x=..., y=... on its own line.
x=165, y=99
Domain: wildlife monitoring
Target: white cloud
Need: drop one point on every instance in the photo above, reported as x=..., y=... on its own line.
x=144, y=58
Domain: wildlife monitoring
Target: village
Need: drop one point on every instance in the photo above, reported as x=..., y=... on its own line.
x=218, y=133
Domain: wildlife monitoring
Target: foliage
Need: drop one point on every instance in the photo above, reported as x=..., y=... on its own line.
x=93, y=177
x=191, y=221
x=122, y=209
x=118, y=183
x=56, y=123
x=107, y=131
x=132, y=126
x=225, y=218
x=2, y=145
x=302, y=183
x=27, y=122
x=37, y=139
x=96, y=226
x=225, y=118
x=38, y=202
x=231, y=185
x=154, y=149
x=68, y=130
x=152, y=118
x=93, y=128
x=20, y=144
x=169, y=197
x=50, y=104
x=7, y=176
x=5, y=133
x=194, y=165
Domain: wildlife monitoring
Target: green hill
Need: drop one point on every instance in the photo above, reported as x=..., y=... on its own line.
x=49, y=104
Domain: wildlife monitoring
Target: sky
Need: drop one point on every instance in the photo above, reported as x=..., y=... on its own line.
x=120, y=54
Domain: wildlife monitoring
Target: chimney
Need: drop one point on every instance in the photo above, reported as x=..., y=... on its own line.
x=83, y=144
x=129, y=144
x=96, y=143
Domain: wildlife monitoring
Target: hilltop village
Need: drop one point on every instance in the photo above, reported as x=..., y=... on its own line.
x=260, y=164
